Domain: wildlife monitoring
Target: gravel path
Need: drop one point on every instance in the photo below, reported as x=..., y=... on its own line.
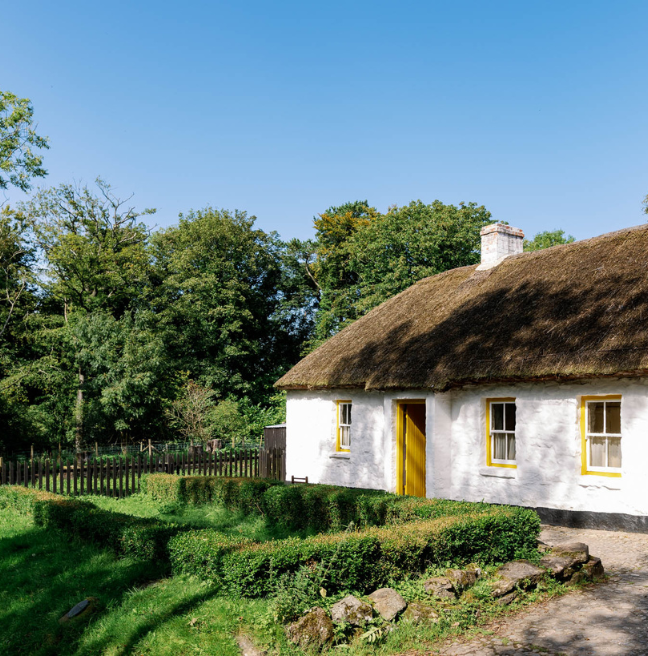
x=608, y=619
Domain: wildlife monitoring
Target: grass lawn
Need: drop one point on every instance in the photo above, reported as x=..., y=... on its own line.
x=44, y=574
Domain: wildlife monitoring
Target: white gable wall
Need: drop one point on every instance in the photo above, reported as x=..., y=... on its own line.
x=548, y=445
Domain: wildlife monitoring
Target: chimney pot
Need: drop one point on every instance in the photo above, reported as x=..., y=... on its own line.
x=499, y=241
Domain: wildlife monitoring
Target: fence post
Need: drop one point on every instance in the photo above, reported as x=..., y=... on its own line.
x=150, y=448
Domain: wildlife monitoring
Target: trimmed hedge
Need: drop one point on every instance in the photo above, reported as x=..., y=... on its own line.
x=25, y=500
x=244, y=494
x=141, y=538
x=441, y=532
x=330, y=508
x=360, y=560
x=319, y=508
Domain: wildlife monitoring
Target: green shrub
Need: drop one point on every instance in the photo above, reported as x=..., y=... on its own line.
x=331, y=508
x=244, y=494
x=359, y=560
x=25, y=500
x=141, y=538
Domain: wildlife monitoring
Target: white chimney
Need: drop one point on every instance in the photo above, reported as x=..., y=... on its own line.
x=499, y=241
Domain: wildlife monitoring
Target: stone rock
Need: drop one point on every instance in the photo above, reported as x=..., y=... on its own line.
x=517, y=572
x=507, y=598
x=462, y=579
x=351, y=610
x=314, y=629
x=440, y=587
x=579, y=551
x=557, y=565
x=82, y=609
x=417, y=613
x=577, y=577
x=388, y=603
x=247, y=647
x=593, y=568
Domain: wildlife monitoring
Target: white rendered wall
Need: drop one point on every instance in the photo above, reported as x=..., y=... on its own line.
x=311, y=438
x=548, y=444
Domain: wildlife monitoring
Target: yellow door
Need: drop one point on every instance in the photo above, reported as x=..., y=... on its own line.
x=411, y=449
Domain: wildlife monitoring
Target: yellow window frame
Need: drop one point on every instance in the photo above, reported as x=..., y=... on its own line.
x=337, y=426
x=583, y=429
x=489, y=459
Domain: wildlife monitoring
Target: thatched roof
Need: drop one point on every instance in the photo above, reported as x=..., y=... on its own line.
x=573, y=311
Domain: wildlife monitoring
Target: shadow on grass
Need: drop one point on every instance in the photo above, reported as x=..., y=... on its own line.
x=44, y=574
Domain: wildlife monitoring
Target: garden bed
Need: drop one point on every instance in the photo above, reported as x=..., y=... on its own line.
x=241, y=570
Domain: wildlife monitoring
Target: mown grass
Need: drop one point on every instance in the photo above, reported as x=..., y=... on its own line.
x=44, y=574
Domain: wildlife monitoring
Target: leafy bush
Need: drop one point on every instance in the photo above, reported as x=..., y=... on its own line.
x=25, y=500
x=318, y=508
x=145, y=539
x=245, y=494
x=358, y=560
x=332, y=508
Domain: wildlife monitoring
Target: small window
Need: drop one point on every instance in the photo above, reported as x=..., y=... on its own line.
x=602, y=435
x=501, y=432
x=344, y=425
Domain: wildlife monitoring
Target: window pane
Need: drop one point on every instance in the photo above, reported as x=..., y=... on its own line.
x=345, y=437
x=613, y=417
x=511, y=446
x=597, y=451
x=509, y=411
x=498, y=416
x=614, y=452
x=499, y=446
x=595, y=420
x=345, y=413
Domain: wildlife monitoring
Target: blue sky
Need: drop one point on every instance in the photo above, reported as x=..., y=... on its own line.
x=538, y=110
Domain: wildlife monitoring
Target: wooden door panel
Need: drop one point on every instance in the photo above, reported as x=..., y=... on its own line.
x=415, y=449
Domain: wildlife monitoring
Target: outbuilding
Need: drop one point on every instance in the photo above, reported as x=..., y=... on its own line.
x=522, y=380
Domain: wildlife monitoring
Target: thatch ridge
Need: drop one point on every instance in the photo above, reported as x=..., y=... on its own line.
x=572, y=311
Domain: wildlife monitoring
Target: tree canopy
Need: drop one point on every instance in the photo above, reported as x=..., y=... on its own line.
x=19, y=143
x=111, y=331
x=547, y=239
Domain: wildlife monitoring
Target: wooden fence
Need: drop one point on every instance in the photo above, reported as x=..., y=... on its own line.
x=120, y=476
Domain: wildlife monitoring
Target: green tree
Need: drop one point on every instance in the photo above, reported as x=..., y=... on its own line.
x=336, y=278
x=546, y=239
x=219, y=298
x=126, y=374
x=365, y=257
x=94, y=246
x=228, y=422
x=19, y=161
x=645, y=205
x=96, y=260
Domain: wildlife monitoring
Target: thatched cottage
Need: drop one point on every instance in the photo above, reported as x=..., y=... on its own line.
x=521, y=380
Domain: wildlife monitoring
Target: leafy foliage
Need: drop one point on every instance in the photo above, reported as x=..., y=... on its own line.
x=19, y=161
x=361, y=560
x=547, y=239
x=364, y=257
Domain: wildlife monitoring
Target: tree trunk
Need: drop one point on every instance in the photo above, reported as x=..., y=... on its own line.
x=79, y=413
